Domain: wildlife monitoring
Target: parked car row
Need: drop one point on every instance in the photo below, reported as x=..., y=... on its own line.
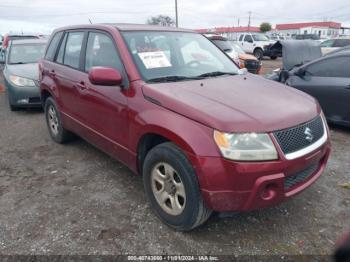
x=204, y=134
x=233, y=50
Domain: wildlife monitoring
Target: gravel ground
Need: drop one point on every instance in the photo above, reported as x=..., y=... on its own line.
x=74, y=199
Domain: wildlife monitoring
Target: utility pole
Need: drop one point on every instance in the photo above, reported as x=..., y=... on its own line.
x=250, y=13
x=176, y=15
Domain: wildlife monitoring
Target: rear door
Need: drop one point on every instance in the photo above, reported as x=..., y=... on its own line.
x=103, y=109
x=328, y=80
x=67, y=71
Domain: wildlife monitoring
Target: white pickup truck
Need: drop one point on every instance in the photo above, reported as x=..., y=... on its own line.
x=256, y=44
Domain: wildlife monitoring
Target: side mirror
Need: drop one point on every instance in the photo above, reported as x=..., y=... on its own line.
x=105, y=76
x=300, y=72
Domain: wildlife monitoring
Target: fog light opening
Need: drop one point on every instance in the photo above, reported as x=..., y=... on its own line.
x=269, y=192
x=23, y=101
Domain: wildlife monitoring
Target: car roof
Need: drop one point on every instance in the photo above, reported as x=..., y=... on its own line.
x=126, y=27
x=28, y=41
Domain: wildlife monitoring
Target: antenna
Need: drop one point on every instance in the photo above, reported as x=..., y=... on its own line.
x=90, y=21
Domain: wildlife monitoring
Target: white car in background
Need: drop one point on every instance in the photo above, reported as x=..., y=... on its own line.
x=330, y=45
x=257, y=44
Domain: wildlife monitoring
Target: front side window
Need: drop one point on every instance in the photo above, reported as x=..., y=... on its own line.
x=73, y=49
x=327, y=43
x=26, y=53
x=162, y=54
x=101, y=51
x=332, y=67
x=341, y=42
x=259, y=37
x=248, y=38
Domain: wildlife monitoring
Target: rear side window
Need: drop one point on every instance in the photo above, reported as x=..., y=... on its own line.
x=240, y=37
x=333, y=67
x=51, y=50
x=73, y=49
x=59, y=58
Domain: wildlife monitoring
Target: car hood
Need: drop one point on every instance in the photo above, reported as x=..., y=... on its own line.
x=247, y=57
x=297, y=52
x=30, y=71
x=241, y=103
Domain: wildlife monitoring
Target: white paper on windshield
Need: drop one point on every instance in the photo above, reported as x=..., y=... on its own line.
x=155, y=59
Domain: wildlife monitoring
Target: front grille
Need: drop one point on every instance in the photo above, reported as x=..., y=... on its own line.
x=252, y=65
x=296, y=138
x=34, y=100
x=300, y=177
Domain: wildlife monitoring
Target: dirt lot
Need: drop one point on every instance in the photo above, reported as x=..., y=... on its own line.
x=74, y=199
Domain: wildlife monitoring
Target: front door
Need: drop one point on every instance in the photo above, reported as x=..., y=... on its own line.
x=103, y=109
x=328, y=81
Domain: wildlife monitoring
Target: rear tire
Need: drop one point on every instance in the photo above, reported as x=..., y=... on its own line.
x=258, y=53
x=53, y=120
x=273, y=57
x=172, y=188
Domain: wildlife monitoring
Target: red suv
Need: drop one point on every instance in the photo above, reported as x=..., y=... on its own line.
x=175, y=109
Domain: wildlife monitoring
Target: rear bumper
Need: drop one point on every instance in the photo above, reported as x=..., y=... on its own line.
x=238, y=186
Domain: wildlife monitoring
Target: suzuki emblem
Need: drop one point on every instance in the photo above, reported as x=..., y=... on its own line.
x=309, y=136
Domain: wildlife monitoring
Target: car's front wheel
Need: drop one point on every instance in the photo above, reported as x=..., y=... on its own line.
x=53, y=119
x=258, y=53
x=172, y=188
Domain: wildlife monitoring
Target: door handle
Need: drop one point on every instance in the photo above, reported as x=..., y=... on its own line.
x=82, y=86
x=53, y=74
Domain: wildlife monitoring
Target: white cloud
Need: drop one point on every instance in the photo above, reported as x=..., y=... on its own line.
x=44, y=15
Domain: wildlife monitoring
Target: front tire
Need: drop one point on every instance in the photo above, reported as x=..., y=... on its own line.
x=258, y=53
x=172, y=188
x=53, y=120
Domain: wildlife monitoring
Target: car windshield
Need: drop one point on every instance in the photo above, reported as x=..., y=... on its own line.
x=26, y=53
x=176, y=56
x=259, y=37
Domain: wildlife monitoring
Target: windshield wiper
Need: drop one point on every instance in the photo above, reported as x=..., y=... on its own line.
x=171, y=79
x=215, y=73
x=17, y=63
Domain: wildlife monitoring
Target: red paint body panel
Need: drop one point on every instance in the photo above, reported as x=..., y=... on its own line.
x=115, y=119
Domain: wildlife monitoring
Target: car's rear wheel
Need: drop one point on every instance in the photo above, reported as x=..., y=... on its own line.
x=273, y=57
x=258, y=53
x=53, y=119
x=172, y=188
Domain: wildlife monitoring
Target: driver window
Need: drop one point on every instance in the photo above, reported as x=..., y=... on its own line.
x=248, y=38
x=334, y=67
x=101, y=51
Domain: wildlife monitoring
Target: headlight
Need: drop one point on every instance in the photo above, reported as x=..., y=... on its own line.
x=245, y=146
x=21, y=81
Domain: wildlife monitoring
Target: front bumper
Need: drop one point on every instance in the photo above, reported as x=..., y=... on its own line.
x=241, y=186
x=26, y=96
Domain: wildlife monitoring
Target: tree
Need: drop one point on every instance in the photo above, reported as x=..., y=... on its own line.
x=265, y=27
x=162, y=20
